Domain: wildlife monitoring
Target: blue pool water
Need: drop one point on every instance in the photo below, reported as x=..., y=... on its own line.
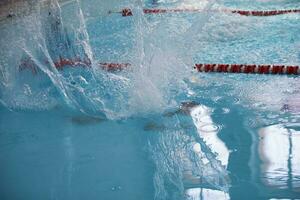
x=157, y=130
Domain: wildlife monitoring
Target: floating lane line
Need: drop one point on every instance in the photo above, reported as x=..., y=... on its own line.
x=248, y=69
x=259, y=13
x=204, y=68
x=28, y=64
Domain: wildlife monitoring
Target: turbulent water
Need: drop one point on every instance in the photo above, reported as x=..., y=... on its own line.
x=161, y=51
x=35, y=42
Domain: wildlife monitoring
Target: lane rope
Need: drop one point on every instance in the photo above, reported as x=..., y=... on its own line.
x=248, y=69
x=205, y=68
x=259, y=13
x=28, y=64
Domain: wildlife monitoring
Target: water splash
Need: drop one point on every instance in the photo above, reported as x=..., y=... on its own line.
x=184, y=160
x=62, y=33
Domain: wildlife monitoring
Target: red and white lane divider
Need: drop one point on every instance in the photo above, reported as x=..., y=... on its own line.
x=206, y=68
x=111, y=67
x=248, y=69
x=63, y=62
x=128, y=12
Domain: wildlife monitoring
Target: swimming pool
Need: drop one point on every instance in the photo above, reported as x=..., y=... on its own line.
x=157, y=129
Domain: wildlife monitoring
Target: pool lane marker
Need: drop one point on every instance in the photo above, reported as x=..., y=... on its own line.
x=28, y=64
x=248, y=69
x=111, y=67
x=87, y=63
x=205, y=68
x=259, y=13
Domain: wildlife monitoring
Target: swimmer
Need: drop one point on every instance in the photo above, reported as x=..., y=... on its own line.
x=184, y=109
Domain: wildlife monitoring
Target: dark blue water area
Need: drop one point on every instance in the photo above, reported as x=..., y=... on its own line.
x=53, y=155
x=59, y=154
